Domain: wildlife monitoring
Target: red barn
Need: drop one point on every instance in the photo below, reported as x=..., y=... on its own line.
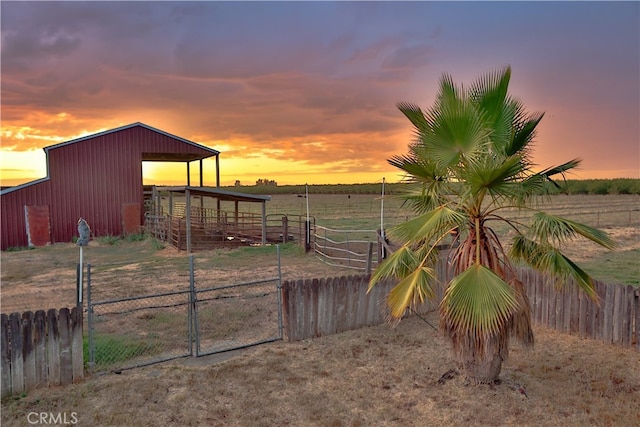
x=97, y=177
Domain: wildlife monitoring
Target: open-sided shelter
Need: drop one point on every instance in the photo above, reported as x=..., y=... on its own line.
x=98, y=178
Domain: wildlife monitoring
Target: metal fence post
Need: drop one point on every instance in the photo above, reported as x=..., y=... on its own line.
x=279, y=295
x=190, y=309
x=193, y=318
x=78, y=285
x=92, y=344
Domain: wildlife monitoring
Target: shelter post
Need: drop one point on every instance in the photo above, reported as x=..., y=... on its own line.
x=218, y=170
x=187, y=195
x=264, y=223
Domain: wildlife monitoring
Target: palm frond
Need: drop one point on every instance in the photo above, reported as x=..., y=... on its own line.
x=415, y=116
x=457, y=133
x=524, y=132
x=490, y=95
x=412, y=290
x=490, y=89
x=400, y=263
x=429, y=225
x=533, y=185
x=477, y=302
x=424, y=200
x=448, y=93
x=551, y=228
x=418, y=169
x=548, y=259
x=501, y=124
x=560, y=169
x=499, y=177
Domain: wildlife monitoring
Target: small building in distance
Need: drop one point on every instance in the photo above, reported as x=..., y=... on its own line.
x=99, y=178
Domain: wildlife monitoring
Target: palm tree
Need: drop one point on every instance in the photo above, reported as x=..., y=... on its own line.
x=471, y=161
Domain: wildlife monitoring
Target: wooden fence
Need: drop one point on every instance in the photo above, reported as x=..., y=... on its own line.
x=41, y=349
x=615, y=320
x=319, y=307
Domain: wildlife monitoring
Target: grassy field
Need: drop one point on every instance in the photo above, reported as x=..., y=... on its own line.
x=379, y=376
x=619, y=215
x=53, y=279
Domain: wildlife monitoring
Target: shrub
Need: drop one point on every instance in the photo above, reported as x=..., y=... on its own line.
x=109, y=240
x=138, y=237
x=20, y=248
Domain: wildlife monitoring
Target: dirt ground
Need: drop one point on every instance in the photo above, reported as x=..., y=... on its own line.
x=378, y=376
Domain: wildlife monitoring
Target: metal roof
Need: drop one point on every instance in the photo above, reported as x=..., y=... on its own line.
x=146, y=157
x=164, y=157
x=24, y=185
x=217, y=192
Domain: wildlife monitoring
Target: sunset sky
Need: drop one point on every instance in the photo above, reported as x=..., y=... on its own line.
x=305, y=92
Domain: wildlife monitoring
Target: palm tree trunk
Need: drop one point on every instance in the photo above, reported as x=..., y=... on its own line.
x=484, y=365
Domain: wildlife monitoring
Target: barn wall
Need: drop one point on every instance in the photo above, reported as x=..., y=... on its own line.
x=12, y=221
x=91, y=178
x=154, y=142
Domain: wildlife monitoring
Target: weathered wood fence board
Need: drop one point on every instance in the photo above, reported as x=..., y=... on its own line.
x=314, y=308
x=41, y=349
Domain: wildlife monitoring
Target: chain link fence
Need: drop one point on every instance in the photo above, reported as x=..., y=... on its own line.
x=142, y=327
x=235, y=316
x=138, y=331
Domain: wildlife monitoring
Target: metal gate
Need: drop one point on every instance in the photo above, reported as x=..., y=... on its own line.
x=205, y=318
x=355, y=249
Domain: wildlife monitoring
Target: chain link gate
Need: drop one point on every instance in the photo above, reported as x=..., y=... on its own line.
x=238, y=315
x=139, y=330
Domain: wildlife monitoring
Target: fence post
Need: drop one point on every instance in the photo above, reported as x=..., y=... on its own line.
x=637, y=310
x=66, y=371
x=17, y=365
x=28, y=355
x=92, y=353
x=285, y=229
x=40, y=345
x=369, y=258
x=78, y=284
x=307, y=235
x=77, y=353
x=194, y=308
x=5, y=369
x=279, y=295
x=324, y=245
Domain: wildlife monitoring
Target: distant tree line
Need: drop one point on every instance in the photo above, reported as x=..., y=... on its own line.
x=266, y=182
x=586, y=186
x=604, y=186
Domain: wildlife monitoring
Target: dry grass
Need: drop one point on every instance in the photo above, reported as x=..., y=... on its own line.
x=378, y=376
x=370, y=377
x=46, y=277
